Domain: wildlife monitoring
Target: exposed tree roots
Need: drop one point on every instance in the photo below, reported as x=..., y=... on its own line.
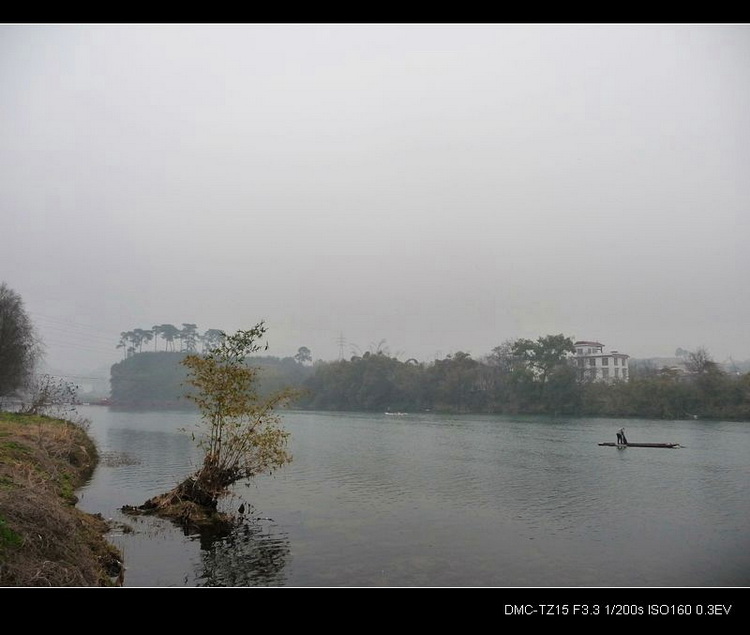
x=189, y=506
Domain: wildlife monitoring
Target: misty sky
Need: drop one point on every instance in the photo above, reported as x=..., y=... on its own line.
x=425, y=188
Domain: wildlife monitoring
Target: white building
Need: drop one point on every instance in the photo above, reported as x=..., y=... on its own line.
x=593, y=364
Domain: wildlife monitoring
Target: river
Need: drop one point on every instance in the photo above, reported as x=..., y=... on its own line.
x=428, y=500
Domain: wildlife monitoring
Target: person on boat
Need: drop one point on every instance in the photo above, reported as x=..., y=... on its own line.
x=621, y=440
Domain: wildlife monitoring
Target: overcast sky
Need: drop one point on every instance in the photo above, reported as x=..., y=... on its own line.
x=426, y=188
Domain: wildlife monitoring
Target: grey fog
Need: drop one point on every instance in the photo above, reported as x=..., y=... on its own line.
x=419, y=188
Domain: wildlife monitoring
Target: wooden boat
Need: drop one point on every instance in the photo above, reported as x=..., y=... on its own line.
x=642, y=445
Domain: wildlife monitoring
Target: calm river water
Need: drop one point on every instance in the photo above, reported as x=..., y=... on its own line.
x=424, y=500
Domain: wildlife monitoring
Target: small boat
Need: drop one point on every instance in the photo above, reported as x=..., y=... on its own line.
x=642, y=445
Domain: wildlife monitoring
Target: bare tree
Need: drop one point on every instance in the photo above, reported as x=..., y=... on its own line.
x=52, y=396
x=700, y=362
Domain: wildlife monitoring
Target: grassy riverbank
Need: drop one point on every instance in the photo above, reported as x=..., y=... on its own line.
x=45, y=540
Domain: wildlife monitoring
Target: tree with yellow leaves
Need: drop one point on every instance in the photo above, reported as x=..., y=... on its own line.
x=239, y=433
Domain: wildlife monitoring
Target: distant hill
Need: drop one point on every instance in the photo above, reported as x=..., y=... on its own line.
x=159, y=380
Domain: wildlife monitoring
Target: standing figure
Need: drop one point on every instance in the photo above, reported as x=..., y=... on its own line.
x=621, y=440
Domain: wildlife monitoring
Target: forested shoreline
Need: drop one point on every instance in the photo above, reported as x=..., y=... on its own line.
x=503, y=382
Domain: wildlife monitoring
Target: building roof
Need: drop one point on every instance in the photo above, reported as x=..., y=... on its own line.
x=587, y=343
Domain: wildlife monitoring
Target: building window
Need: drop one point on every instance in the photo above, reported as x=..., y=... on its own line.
x=605, y=373
x=617, y=372
x=592, y=361
x=616, y=360
x=580, y=362
x=605, y=361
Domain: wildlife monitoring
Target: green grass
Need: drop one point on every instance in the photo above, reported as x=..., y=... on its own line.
x=8, y=537
x=11, y=450
x=67, y=487
x=17, y=417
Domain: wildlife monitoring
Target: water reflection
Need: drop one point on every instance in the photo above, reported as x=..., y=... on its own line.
x=252, y=555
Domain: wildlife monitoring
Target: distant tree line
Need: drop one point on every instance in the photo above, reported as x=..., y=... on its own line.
x=517, y=377
x=521, y=376
x=527, y=377
x=131, y=342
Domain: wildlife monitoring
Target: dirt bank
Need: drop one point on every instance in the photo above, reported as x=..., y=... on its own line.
x=45, y=540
